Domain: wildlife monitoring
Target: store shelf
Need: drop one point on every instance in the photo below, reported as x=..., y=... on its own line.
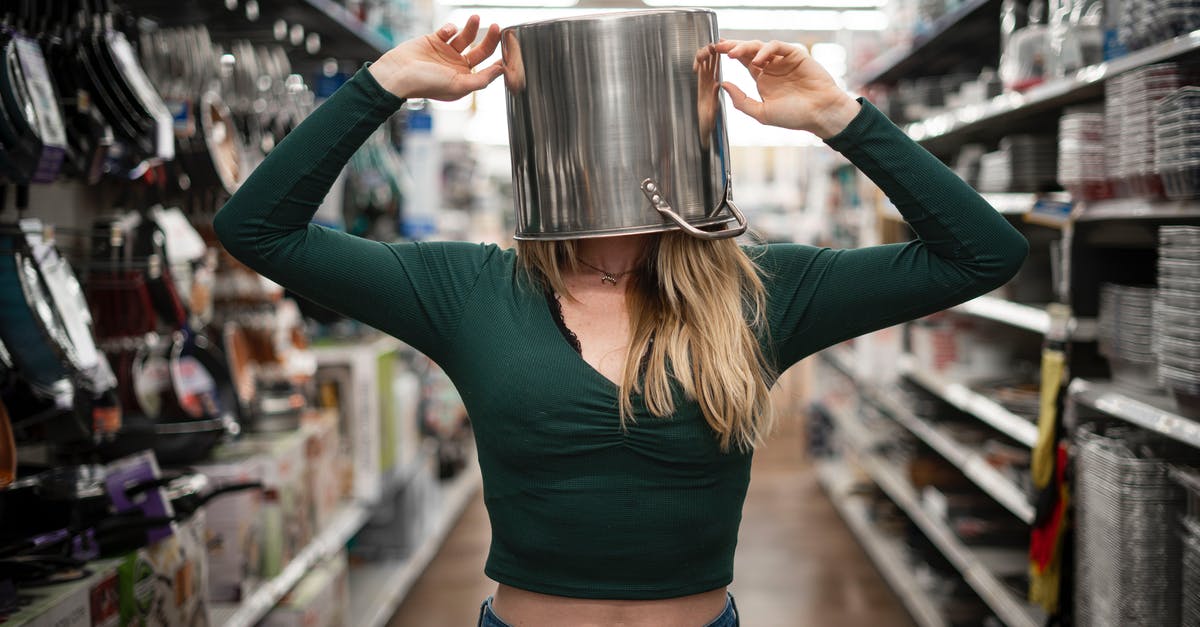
x=972, y=465
x=378, y=588
x=329, y=541
x=952, y=127
x=972, y=402
x=343, y=36
x=1029, y=317
x=857, y=436
x=974, y=24
x=970, y=562
x=1137, y=209
x=970, y=462
x=1010, y=203
x=1155, y=414
x=886, y=553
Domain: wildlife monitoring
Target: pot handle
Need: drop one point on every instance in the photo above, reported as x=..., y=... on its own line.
x=650, y=189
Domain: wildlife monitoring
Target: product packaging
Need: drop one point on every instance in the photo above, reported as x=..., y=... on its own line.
x=233, y=533
x=320, y=599
x=91, y=602
x=167, y=583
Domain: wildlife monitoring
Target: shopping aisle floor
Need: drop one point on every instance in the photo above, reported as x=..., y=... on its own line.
x=797, y=565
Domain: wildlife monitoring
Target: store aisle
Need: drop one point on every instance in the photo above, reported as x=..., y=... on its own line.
x=797, y=565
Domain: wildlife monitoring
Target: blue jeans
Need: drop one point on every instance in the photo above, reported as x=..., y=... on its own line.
x=728, y=617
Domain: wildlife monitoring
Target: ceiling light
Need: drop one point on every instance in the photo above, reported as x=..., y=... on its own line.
x=773, y=4
x=800, y=20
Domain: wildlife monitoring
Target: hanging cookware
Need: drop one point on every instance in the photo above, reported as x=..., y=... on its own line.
x=19, y=119
x=49, y=126
x=29, y=325
x=616, y=126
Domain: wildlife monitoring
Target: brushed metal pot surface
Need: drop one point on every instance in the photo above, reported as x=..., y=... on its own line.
x=616, y=126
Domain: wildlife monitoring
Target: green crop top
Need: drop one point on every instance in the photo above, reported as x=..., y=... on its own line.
x=579, y=508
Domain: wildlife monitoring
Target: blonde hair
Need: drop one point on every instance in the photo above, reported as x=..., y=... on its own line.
x=699, y=306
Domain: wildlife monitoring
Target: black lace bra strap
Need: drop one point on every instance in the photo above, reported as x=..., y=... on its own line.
x=557, y=313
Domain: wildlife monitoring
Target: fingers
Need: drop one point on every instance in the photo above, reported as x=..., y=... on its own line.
x=742, y=102
x=480, y=79
x=741, y=51
x=467, y=36
x=770, y=51
x=446, y=32
x=486, y=47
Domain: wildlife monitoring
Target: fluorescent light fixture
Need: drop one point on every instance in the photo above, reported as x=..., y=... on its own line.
x=805, y=20
x=509, y=3
x=771, y=4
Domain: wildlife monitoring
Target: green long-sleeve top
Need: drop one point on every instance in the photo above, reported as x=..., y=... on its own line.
x=578, y=506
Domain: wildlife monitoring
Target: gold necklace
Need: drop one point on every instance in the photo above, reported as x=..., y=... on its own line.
x=606, y=276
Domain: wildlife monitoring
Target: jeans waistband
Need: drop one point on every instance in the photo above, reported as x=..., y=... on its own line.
x=727, y=618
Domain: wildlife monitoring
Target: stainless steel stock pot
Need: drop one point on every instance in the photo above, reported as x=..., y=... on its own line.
x=616, y=126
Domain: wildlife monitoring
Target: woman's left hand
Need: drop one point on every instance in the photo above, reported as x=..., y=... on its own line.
x=797, y=93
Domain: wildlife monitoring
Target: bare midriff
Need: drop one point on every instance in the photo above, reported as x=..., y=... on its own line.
x=522, y=608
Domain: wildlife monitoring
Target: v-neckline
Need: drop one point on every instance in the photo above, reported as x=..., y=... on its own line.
x=544, y=306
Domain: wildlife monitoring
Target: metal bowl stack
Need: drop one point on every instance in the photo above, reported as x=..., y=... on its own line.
x=1143, y=23
x=1128, y=543
x=1190, y=537
x=1126, y=335
x=1081, y=148
x=1177, y=315
x=1177, y=142
x=1129, y=109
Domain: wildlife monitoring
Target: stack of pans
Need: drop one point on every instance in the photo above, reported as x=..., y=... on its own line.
x=1146, y=22
x=1190, y=537
x=1126, y=335
x=1128, y=545
x=995, y=172
x=1130, y=107
x=1024, y=163
x=1034, y=160
x=1176, y=310
x=1081, y=151
x=1177, y=142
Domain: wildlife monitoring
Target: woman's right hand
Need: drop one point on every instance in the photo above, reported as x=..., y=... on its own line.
x=439, y=66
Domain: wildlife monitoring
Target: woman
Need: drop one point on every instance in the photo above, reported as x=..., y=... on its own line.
x=617, y=385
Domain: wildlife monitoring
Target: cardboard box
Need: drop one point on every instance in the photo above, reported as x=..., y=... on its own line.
x=348, y=379
x=321, y=466
x=320, y=599
x=167, y=583
x=234, y=527
x=91, y=602
x=286, y=521
x=405, y=516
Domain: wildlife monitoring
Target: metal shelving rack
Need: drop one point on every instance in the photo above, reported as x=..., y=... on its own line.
x=1149, y=413
x=377, y=589
x=342, y=35
x=996, y=117
x=347, y=522
x=972, y=563
x=1089, y=233
x=887, y=554
x=972, y=464
x=972, y=402
x=1022, y=316
x=966, y=26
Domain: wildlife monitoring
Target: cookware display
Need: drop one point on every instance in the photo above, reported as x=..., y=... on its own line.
x=1176, y=325
x=175, y=383
x=46, y=329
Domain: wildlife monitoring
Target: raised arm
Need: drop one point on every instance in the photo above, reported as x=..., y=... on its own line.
x=818, y=297
x=413, y=291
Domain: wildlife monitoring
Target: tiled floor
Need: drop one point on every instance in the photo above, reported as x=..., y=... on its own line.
x=797, y=565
